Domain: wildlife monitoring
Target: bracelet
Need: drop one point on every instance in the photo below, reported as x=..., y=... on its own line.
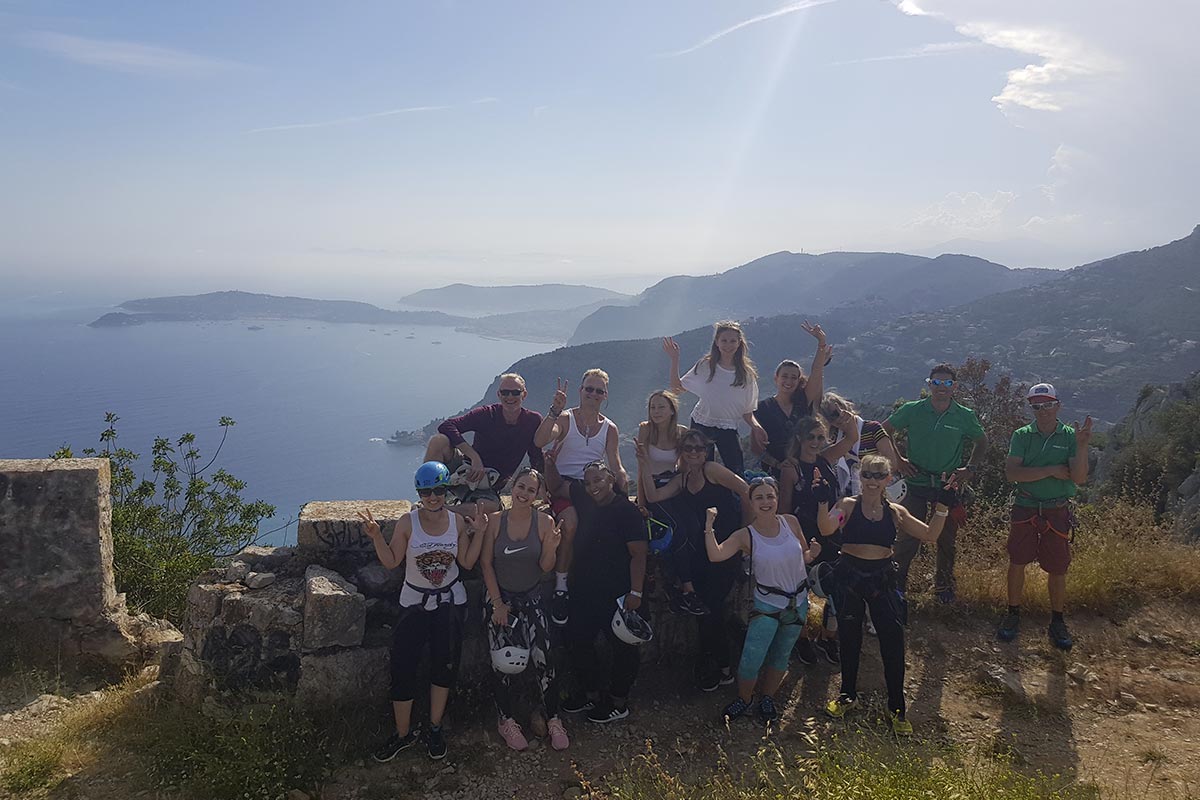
x=552, y=414
x=632, y=593
x=710, y=530
x=941, y=513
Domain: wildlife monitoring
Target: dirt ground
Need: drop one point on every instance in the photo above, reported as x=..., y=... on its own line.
x=1119, y=712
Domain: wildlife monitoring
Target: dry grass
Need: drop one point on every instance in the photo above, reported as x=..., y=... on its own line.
x=1121, y=558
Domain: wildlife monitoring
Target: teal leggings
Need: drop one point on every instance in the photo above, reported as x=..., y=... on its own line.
x=770, y=639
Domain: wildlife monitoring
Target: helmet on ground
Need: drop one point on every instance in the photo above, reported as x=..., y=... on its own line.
x=431, y=474
x=897, y=490
x=509, y=650
x=820, y=579
x=659, y=535
x=629, y=626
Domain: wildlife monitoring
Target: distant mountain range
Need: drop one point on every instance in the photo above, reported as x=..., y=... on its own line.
x=784, y=283
x=474, y=301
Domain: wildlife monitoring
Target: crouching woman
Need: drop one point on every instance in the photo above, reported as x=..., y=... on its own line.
x=433, y=544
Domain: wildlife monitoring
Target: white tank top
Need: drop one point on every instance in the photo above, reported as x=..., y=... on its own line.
x=576, y=451
x=660, y=460
x=777, y=561
x=431, y=564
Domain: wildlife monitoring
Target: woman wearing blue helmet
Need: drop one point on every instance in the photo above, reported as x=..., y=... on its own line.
x=432, y=544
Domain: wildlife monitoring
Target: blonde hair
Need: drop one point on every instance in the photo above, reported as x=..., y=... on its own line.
x=743, y=367
x=874, y=460
x=655, y=435
x=833, y=404
x=516, y=376
x=595, y=372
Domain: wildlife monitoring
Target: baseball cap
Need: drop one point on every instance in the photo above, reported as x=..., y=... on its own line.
x=1042, y=391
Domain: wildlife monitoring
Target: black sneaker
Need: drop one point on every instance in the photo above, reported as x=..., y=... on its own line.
x=829, y=649
x=1009, y=627
x=946, y=596
x=435, y=743
x=559, y=608
x=1060, y=636
x=693, y=605
x=676, y=604
x=767, y=712
x=394, y=746
x=734, y=710
x=607, y=712
x=804, y=652
x=576, y=703
x=716, y=679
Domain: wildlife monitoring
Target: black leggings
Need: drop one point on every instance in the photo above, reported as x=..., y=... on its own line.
x=442, y=630
x=713, y=584
x=591, y=614
x=863, y=584
x=728, y=443
x=529, y=617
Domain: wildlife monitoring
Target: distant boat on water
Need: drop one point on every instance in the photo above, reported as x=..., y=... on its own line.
x=407, y=438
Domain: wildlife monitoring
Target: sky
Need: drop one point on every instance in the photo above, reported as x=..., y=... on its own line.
x=362, y=149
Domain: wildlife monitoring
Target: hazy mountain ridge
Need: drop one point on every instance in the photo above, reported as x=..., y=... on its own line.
x=781, y=282
x=472, y=300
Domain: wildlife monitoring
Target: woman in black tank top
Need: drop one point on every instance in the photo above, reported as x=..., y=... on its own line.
x=864, y=577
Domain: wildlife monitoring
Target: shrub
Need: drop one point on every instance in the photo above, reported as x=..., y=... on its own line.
x=170, y=527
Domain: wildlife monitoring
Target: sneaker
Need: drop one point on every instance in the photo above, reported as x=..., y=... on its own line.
x=394, y=746
x=607, y=712
x=576, y=703
x=1009, y=627
x=716, y=679
x=838, y=708
x=693, y=605
x=559, y=608
x=435, y=743
x=871, y=626
x=804, y=651
x=900, y=725
x=766, y=709
x=829, y=649
x=1060, y=636
x=945, y=596
x=734, y=710
x=510, y=732
x=558, y=734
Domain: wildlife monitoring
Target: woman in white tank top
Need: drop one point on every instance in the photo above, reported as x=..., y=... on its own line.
x=777, y=550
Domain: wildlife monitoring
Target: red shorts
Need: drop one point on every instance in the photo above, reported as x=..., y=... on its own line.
x=1043, y=536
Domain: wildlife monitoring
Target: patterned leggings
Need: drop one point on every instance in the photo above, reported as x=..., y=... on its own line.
x=528, y=626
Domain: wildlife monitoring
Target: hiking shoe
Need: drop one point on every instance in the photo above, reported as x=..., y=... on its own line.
x=1009, y=627
x=716, y=679
x=559, y=608
x=900, y=725
x=1060, y=636
x=607, y=712
x=576, y=703
x=945, y=596
x=435, y=743
x=511, y=733
x=734, y=710
x=838, y=708
x=693, y=605
x=394, y=746
x=767, y=712
x=804, y=652
x=558, y=734
x=871, y=626
x=829, y=649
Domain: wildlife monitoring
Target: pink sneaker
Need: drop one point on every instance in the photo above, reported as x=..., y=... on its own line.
x=558, y=734
x=510, y=732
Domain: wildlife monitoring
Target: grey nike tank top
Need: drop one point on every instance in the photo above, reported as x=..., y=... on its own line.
x=516, y=563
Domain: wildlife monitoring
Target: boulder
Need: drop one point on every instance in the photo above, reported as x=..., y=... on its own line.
x=266, y=559
x=237, y=571
x=260, y=580
x=333, y=526
x=335, y=614
x=341, y=678
x=376, y=580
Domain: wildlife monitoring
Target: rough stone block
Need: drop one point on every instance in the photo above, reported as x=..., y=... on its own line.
x=334, y=526
x=376, y=580
x=204, y=602
x=265, y=559
x=335, y=614
x=260, y=580
x=265, y=611
x=344, y=677
x=237, y=571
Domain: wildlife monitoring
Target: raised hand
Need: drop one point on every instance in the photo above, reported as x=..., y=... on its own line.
x=671, y=348
x=560, y=395
x=814, y=550
x=821, y=490
x=1083, y=433
x=369, y=523
x=639, y=448
x=815, y=331
x=710, y=518
x=845, y=421
x=476, y=522
x=824, y=353
x=554, y=538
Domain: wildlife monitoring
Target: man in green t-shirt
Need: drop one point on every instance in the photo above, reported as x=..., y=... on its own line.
x=938, y=427
x=1046, y=460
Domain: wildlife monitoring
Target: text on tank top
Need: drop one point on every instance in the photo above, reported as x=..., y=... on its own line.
x=431, y=575
x=777, y=561
x=577, y=450
x=860, y=530
x=516, y=563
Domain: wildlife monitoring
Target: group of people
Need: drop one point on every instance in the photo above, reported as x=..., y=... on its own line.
x=836, y=509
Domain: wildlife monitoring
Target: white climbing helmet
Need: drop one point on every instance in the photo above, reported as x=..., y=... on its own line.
x=820, y=579
x=510, y=660
x=629, y=626
x=897, y=490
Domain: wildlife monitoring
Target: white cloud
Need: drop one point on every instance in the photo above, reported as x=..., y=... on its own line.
x=124, y=56
x=963, y=213
x=924, y=51
x=348, y=120
x=779, y=12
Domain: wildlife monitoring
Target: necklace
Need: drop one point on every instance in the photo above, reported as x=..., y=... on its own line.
x=873, y=514
x=586, y=430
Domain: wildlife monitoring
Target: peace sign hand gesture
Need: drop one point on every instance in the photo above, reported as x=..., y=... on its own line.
x=477, y=521
x=671, y=348
x=560, y=395
x=1083, y=433
x=369, y=523
x=822, y=492
x=554, y=538
x=814, y=330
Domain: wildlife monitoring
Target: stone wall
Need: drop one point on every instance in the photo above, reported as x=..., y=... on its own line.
x=315, y=620
x=57, y=595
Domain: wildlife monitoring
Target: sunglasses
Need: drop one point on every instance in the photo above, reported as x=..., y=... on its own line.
x=438, y=490
x=511, y=392
x=693, y=448
x=595, y=390
x=815, y=437
x=602, y=465
x=761, y=479
x=1044, y=406
x=947, y=382
x=875, y=476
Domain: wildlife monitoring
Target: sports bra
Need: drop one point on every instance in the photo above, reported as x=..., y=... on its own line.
x=860, y=530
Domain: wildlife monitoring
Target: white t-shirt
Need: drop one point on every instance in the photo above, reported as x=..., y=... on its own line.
x=722, y=405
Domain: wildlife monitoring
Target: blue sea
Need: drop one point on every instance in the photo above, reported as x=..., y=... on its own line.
x=313, y=402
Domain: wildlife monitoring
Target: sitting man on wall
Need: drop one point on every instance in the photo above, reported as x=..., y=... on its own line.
x=504, y=435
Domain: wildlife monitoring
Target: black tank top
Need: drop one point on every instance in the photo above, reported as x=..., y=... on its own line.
x=712, y=495
x=860, y=530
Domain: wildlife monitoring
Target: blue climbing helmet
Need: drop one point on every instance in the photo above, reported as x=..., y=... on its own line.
x=431, y=474
x=658, y=534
